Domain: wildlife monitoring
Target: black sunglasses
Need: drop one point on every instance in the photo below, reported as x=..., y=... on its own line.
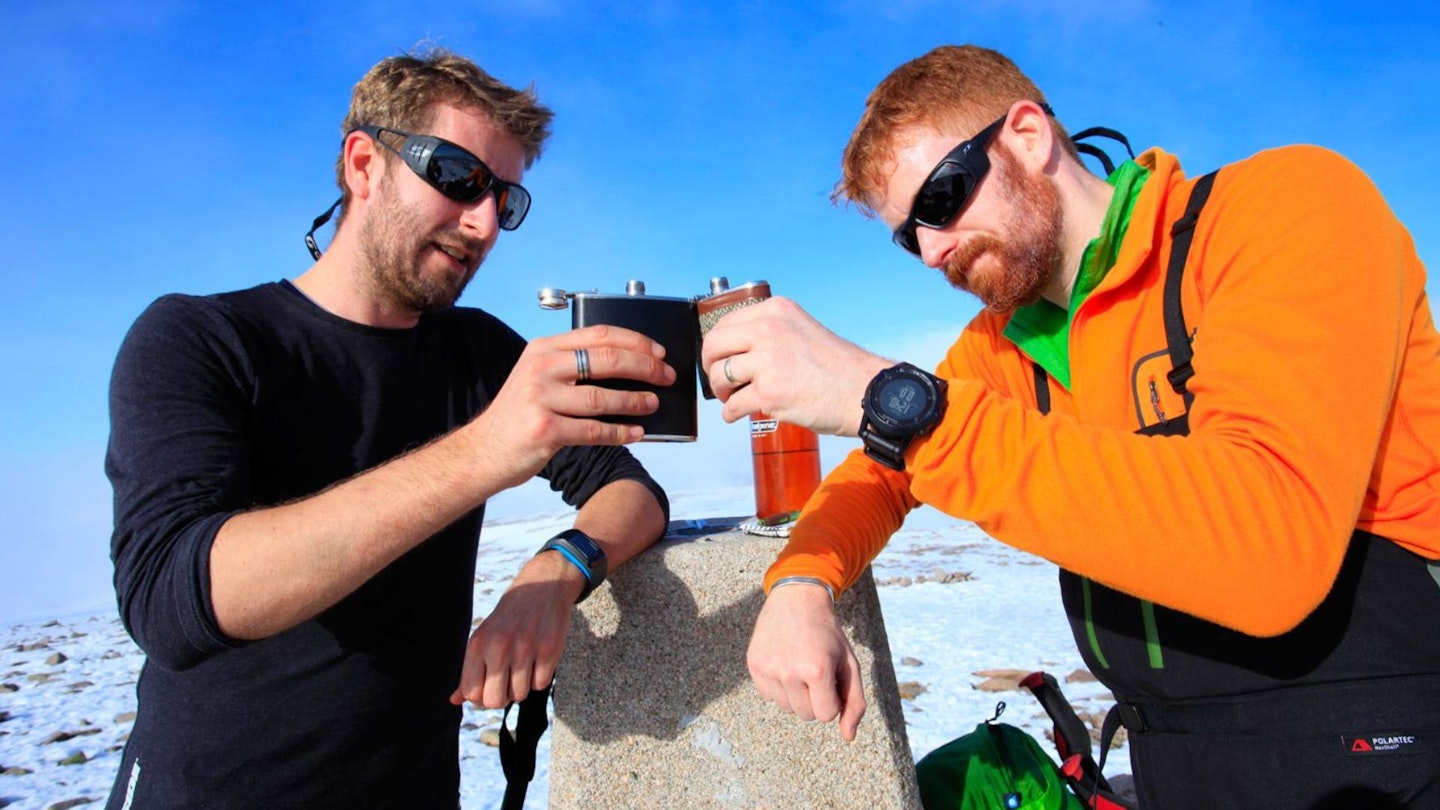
x=944, y=193
x=450, y=170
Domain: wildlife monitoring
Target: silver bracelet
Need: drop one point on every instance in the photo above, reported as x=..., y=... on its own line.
x=783, y=581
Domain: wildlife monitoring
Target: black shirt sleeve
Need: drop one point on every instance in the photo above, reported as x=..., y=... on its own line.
x=175, y=459
x=578, y=472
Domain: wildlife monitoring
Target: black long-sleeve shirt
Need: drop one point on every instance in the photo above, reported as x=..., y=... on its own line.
x=249, y=399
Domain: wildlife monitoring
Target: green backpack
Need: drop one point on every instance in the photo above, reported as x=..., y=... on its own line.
x=995, y=766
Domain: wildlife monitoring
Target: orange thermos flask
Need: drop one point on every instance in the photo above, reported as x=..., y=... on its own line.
x=785, y=457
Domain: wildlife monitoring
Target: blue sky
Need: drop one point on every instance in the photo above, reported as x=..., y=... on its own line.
x=153, y=146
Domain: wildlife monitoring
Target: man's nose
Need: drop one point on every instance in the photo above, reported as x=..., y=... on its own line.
x=935, y=245
x=481, y=217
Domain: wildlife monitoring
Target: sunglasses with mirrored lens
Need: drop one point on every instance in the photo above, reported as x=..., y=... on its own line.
x=944, y=193
x=454, y=172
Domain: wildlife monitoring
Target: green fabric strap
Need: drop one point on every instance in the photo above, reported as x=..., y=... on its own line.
x=1152, y=635
x=1042, y=330
x=1090, y=623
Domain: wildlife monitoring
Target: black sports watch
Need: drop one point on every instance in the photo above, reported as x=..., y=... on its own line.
x=902, y=402
x=584, y=553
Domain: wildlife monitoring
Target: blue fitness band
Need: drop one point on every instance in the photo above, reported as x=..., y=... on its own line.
x=583, y=553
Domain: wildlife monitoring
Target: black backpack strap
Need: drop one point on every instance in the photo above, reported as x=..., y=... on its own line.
x=1095, y=151
x=1108, y=729
x=1177, y=337
x=1042, y=388
x=1081, y=772
x=1099, y=154
x=1071, y=736
x=517, y=751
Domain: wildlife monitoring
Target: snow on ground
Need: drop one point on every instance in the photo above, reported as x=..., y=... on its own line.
x=956, y=603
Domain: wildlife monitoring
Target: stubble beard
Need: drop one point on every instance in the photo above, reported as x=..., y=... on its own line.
x=1031, y=255
x=392, y=243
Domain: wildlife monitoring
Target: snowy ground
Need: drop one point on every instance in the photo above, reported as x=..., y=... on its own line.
x=956, y=604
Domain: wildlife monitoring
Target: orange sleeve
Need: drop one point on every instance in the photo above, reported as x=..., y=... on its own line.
x=845, y=524
x=1298, y=299
x=858, y=506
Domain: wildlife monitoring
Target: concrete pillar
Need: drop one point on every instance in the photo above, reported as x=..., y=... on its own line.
x=654, y=706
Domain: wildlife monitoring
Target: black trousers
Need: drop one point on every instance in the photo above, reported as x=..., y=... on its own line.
x=1335, y=747
x=1341, y=712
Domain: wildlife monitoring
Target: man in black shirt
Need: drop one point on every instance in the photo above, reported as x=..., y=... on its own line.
x=301, y=471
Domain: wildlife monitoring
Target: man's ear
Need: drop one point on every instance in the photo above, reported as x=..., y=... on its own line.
x=1032, y=136
x=362, y=165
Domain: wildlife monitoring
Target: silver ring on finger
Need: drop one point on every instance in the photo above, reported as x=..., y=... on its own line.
x=582, y=364
x=725, y=369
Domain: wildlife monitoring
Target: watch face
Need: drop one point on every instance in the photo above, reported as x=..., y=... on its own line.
x=904, y=401
x=901, y=399
x=901, y=402
x=592, y=551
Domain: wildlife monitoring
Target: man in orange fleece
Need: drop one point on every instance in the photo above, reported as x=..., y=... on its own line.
x=1225, y=433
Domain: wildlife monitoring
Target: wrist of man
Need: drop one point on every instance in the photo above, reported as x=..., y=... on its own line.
x=554, y=567
x=810, y=582
x=581, y=552
x=862, y=374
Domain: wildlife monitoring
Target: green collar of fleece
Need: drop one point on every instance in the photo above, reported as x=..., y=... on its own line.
x=1042, y=330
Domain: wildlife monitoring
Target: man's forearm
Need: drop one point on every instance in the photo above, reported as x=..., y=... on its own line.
x=273, y=568
x=516, y=648
x=624, y=518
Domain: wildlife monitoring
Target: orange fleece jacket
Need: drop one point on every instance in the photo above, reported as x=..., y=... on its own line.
x=1316, y=411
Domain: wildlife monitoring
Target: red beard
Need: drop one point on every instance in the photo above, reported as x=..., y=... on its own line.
x=1030, y=255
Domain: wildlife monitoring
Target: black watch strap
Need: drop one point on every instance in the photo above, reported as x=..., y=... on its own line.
x=582, y=552
x=888, y=450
